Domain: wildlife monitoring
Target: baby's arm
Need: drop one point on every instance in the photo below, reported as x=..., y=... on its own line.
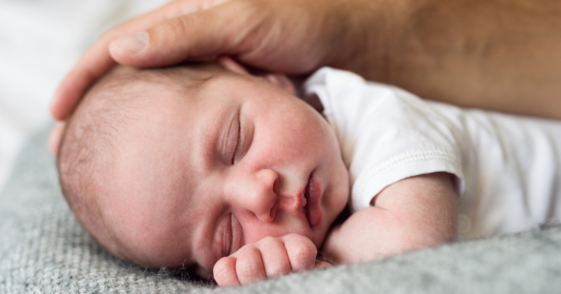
x=413, y=213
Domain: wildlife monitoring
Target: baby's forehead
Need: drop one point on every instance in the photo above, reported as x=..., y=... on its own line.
x=187, y=83
x=128, y=93
x=188, y=75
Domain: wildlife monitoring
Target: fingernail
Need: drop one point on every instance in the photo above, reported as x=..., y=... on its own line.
x=134, y=43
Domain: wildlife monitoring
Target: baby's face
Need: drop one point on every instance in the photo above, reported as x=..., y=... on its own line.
x=206, y=172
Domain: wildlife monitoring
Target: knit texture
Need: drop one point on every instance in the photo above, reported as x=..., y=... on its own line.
x=44, y=250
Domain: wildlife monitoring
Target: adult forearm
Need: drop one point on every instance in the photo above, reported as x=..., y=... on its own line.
x=498, y=55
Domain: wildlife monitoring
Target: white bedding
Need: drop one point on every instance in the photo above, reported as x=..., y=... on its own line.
x=39, y=41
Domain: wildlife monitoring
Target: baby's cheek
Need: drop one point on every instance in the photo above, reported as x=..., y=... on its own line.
x=203, y=272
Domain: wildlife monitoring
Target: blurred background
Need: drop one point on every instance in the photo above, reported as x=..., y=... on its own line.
x=40, y=40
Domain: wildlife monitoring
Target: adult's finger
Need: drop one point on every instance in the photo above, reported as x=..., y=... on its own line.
x=288, y=36
x=97, y=61
x=224, y=272
x=212, y=32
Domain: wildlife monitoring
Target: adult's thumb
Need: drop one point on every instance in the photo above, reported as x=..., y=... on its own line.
x=202, y=34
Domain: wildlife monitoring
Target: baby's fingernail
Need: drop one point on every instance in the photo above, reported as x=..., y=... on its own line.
x=134, y=43
x=321, y=264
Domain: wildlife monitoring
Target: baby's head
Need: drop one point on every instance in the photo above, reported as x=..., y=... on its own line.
x=182, y=166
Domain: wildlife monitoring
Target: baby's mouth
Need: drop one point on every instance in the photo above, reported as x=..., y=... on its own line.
x=312, y=195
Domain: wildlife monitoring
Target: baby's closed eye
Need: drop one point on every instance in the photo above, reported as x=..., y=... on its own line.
x=232, y=236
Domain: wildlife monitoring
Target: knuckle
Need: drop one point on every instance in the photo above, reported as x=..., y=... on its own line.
x=257, y=16
x=294, y=236
x=258, y=8
x=249, y=268
x=252, y=4
x=268, y=245
x=299, y=241
x=245, y=249
x=175, y=26
x=304, y=251
x=268, y=240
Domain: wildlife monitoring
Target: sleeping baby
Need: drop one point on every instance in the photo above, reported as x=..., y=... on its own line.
x=209, y=166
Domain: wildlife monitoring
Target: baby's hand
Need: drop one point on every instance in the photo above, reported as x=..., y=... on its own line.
x=269, y=257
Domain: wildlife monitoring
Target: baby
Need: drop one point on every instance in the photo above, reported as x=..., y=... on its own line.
x=207, y=165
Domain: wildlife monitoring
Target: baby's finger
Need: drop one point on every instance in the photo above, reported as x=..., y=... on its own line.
x=301, y=252
x=224, y=272
x=274, y=256
x=249, y=266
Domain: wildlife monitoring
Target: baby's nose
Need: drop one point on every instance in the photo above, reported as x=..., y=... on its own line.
x=260, y=196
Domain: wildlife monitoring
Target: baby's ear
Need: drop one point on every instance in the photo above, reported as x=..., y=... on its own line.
x=229, y=64
x=279, y=80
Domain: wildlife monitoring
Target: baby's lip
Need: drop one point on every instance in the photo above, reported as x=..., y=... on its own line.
x=312, y=196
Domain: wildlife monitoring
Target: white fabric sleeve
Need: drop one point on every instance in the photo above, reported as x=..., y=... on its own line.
x=385, y=134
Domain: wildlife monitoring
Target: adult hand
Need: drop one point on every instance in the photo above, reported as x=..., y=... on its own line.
x=97, y=60
x=267, y=258
x=289, y=36
x=442, y=50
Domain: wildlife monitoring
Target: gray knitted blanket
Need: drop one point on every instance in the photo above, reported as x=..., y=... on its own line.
x=44, y=250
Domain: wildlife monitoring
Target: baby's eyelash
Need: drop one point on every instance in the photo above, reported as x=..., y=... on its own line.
x=227, y=238
x=238, y=143
x=231, y=235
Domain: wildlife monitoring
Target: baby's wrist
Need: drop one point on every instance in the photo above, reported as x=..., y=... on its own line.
x=330, y=252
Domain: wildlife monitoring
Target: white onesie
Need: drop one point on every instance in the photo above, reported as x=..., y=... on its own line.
x=507, y=167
